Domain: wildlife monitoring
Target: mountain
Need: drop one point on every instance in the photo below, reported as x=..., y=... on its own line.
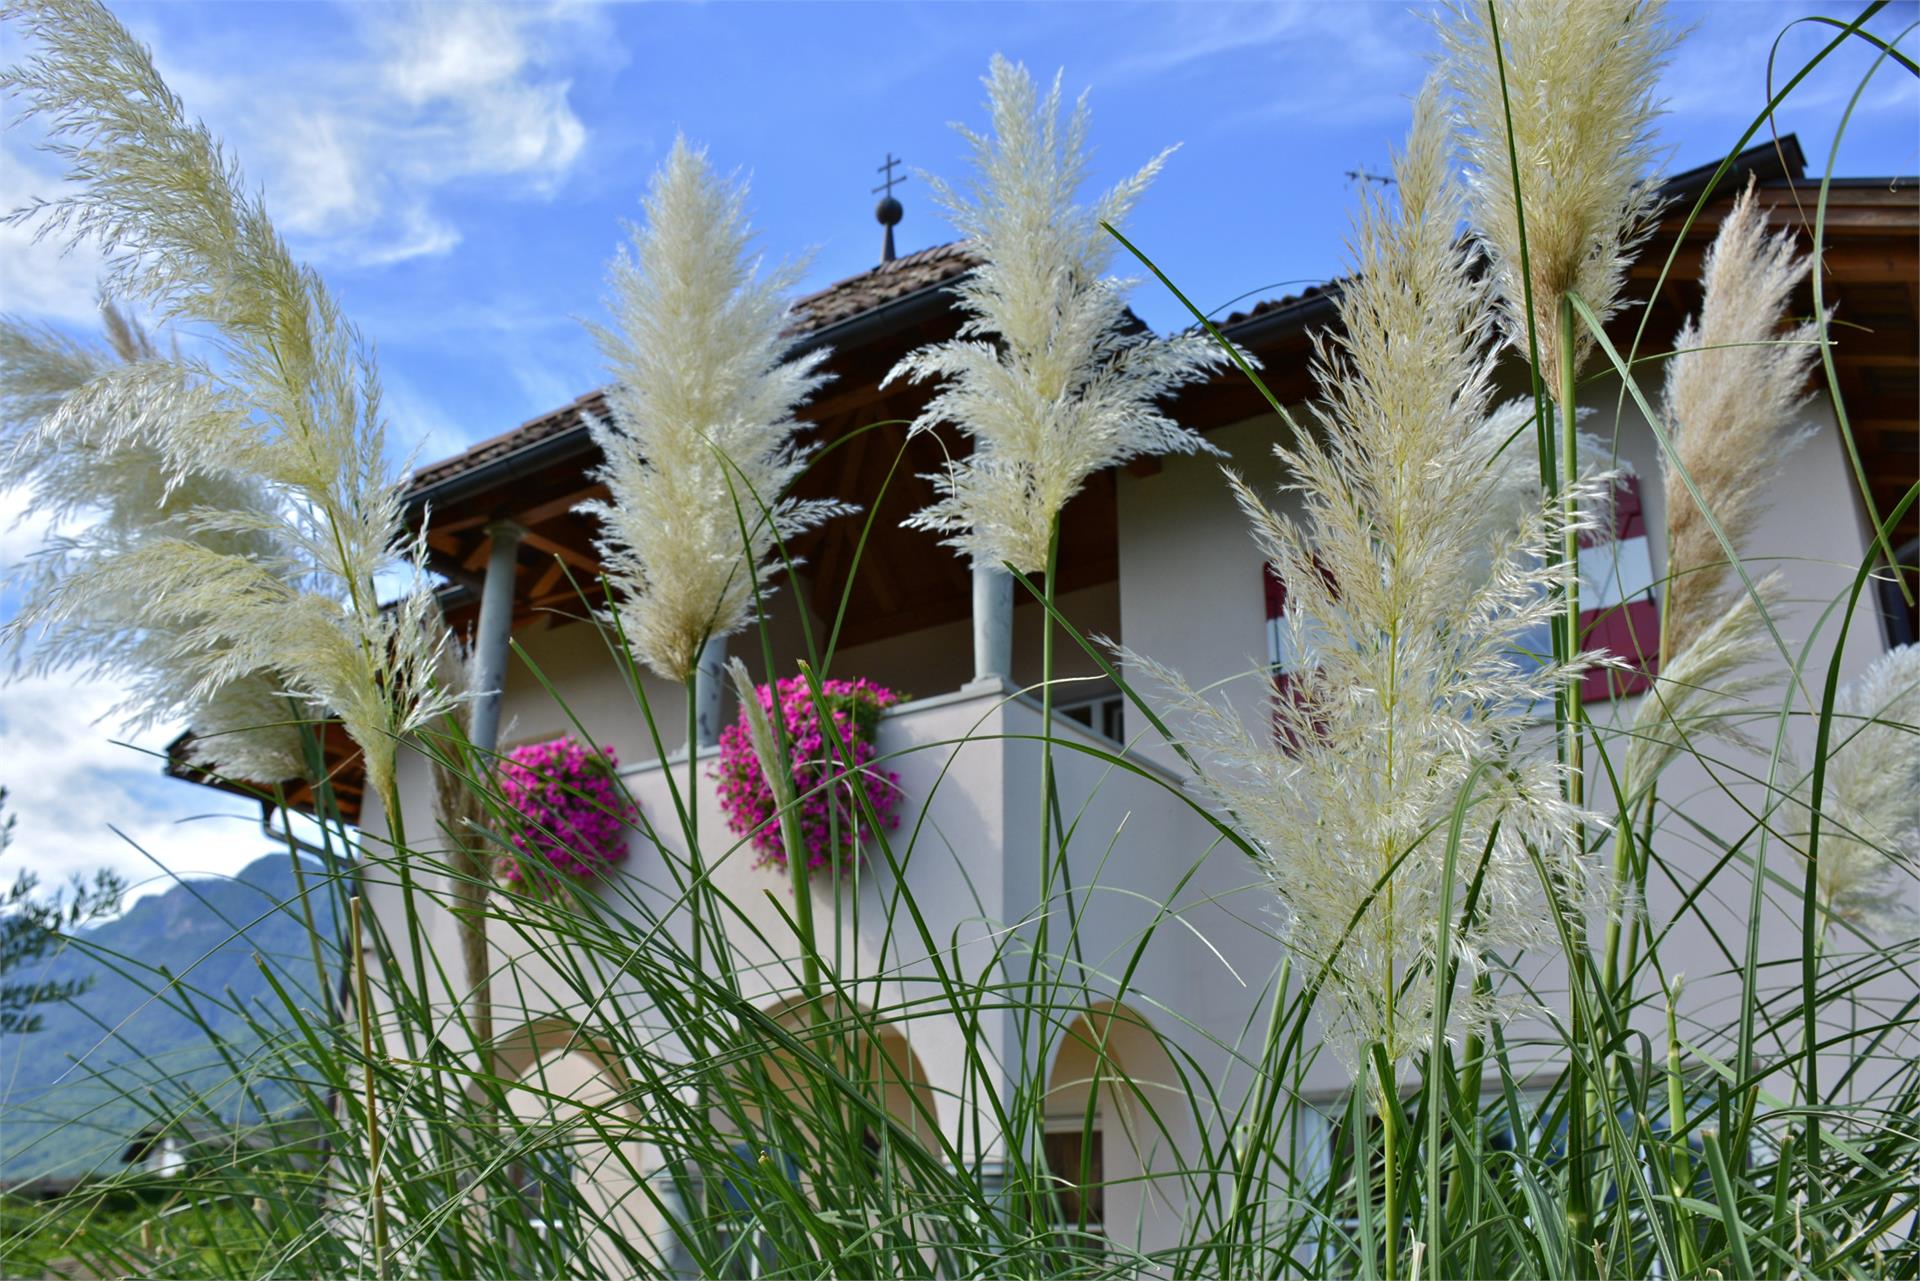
x=177, y=991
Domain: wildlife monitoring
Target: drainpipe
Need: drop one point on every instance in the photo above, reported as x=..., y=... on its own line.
x=992, y=626
x=709, y=679
x=490, y=645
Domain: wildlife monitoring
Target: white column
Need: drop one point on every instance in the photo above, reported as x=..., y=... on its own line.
x=490, y=641
x=708, y=683
x=992, y=625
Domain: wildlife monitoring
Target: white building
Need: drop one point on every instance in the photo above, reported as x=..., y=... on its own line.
x=1155, y=555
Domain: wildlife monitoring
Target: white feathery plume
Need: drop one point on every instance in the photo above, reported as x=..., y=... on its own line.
x=1735, y=390
x=245, y=729
x=1703, y=692
x=1504, y=439
x=1869, y=856
x=1580, y=81
x=700, y=439
x=1409, y=632
x=1051, y=375
x=289, y=399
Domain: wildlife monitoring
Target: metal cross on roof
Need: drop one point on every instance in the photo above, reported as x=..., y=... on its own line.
x=888, y=211
x=887, y=169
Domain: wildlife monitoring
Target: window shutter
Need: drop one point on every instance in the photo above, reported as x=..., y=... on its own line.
x=1282, y=660
x=1619, y=613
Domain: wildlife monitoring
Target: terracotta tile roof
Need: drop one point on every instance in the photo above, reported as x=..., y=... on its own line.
x=890, y=280
x=1286, y=302
x=531, y=432
x=840, y=301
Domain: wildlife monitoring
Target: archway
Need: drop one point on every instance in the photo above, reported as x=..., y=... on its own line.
x=1119, y=1129
x=827, y=1109
x=584, y=1159
x=809, y=1042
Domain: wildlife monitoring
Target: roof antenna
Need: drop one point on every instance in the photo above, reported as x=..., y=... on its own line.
x=1365, y=178
x=888, y=211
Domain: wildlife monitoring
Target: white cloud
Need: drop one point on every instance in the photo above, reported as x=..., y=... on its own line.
x=1329, y=64
x=73, y=776
x=36, y=277
x=70, y=785
x=477, y=74
x=356, y=145
x=1736, y=54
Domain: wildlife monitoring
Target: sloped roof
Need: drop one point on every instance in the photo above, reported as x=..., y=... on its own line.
x=813, y=314
x=855, y=295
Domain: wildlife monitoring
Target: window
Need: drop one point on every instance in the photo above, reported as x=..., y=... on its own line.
x=1283, y=647
x=1104, y=715
x=1075, y=1159
x=1618, y=611
x=745, y=1202
x=543, y=1179
x=1619, y=614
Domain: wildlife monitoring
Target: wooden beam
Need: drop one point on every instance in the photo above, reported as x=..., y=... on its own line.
x=1874, y=359
x=450, y=568
x=577, y=559
x=544, y=512
x=552, y=575
x=456, y=526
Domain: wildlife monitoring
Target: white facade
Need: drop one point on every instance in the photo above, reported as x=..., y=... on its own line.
x=1188, y=592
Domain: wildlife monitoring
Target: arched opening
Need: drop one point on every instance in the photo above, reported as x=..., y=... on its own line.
x=1119, y=1126
x=874, y=1055
x=581, y=1157
x=836, y=1107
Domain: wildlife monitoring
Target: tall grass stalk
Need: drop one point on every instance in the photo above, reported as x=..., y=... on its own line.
x=743, y=1098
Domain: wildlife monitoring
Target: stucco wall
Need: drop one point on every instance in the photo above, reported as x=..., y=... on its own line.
x=1191, y=598
x=1189, y=594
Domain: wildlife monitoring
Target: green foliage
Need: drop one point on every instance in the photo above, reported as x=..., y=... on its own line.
x=353, y=1120
x=32, y=927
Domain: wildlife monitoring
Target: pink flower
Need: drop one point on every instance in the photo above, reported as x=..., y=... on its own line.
x=833, y=825
x=573, y=813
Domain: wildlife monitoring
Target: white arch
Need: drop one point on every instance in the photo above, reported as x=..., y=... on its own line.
x=579, y=1087
x=1109, y=1062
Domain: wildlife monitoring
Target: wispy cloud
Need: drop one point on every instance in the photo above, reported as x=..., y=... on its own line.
x=84, y=801
x=1735, y=53
x=361, y=145
x=1320, y=54
x=358, y=151
x=36, y=278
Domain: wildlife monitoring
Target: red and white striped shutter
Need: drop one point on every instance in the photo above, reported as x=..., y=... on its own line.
x=1619, y=613
x=1282, y=658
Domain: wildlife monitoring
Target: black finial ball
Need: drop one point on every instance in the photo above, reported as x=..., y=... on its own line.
x=889, y=211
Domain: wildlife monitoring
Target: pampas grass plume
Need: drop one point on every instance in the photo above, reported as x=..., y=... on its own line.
x=700, y=441
x=1410, y=615
x=1050, y=375
x=1869, y=856
x=1734, y=393
x=287, y=399
x=1579, y=93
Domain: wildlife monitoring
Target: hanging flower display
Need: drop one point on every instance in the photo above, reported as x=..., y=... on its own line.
x=831, y=822
x=573, y=813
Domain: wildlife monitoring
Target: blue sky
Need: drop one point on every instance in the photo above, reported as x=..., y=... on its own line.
x=459, y=173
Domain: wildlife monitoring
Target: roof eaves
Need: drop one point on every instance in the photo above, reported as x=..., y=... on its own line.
x=463, y=483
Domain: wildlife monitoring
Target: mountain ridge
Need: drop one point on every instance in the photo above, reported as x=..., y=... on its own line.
x=177, y=987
